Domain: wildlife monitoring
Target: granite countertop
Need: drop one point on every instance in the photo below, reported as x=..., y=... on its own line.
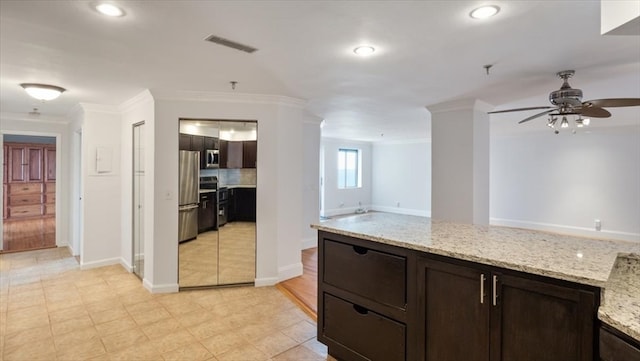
x=576, y=259
x=620, y=304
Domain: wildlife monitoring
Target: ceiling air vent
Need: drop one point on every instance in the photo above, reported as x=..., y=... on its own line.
x=230, y=44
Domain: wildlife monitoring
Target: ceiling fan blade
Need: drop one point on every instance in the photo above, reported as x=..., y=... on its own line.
x=520, y=109
x=595, y=112
x=537, y=115
x=611, y=103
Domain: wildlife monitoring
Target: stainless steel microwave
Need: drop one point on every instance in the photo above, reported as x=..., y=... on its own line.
x=212, y=158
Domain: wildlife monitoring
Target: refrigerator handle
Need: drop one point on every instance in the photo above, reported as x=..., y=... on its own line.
x=187, y=208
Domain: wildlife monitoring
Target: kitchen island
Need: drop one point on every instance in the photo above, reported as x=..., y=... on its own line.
x=432, y=286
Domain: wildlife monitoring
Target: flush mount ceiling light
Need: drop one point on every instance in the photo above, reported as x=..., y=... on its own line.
x=42, y=91
x=364, y=50
x=484, y=12
x=109, y=10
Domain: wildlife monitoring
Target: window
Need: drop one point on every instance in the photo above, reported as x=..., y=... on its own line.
x=348, y=168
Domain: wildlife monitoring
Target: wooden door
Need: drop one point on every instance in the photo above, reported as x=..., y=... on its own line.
x=456, y=310
x=538, y=321
x=249, y=153
x=50, y=164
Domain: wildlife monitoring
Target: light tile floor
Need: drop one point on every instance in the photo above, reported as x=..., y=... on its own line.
x=51, y=310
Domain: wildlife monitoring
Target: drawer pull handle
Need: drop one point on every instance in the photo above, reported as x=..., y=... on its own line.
x=360, y=250
x=361, y=310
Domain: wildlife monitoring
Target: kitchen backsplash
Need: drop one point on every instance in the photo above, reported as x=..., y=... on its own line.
x=227, y=177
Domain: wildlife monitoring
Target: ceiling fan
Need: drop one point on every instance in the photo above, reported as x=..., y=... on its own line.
x=568, y=101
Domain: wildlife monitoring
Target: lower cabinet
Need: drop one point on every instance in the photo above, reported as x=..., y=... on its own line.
x=617, y=346
x=242, y=204
x=379, y=302
x=502, y=315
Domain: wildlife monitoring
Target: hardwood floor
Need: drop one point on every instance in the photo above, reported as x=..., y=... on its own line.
x=304, y=289
x=29, y=234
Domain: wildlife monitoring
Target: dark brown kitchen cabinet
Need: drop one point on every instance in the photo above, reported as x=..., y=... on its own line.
x=249, y=153
x=242, y=204
x=184, y=141
x=501, y=314
x=238, y=154
x=366, y=308
x=617, y=346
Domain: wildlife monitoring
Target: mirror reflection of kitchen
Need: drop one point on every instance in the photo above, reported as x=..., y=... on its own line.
x=217, y=203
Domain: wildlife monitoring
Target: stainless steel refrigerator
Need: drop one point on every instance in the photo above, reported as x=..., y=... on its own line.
x=188, y=181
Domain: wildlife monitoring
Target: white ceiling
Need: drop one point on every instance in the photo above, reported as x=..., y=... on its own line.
x=428, y=52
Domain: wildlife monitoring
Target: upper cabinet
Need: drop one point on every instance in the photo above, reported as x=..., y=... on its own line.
x=198, y=143
x=49, y=164
x=238, y=154
x=25, y=163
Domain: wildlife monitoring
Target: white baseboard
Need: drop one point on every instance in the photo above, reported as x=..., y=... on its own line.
x=100, y=263
x=265, y=281
x=126, y=265
x=167, y=288
x=568, y=230
x=407, y=211
x=309, y=243
x=340, y=211
x=289, y=271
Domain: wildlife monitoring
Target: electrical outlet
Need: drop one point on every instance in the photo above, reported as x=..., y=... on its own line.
x=397, y=204
x=598, y=225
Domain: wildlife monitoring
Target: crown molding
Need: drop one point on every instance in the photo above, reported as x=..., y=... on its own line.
x=143, y=96
x=25, y=117
x=99, y=108
x=206, y=96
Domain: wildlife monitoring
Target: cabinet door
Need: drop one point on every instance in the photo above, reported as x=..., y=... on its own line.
x=197, y=143
x=36, y=161
x=184, y=142
x=5, y=164
x=50, y=164
x=249, y=154
x=456, y=312
x=18, y=164
x=234, y=154
x=538, y=321
x=224, y=151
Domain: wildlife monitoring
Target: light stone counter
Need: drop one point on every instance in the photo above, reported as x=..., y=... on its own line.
x=581, y=260
x=621, y=297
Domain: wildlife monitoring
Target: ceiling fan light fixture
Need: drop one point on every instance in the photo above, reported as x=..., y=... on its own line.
x=484, y=12
x=565, y=123
x=43, y=92
x=586, y=121
x=552, y=122
x=364, y=50
x=109, y=10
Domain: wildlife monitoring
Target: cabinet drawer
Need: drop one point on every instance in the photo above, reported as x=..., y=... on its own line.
x=24, y=188
x=25, y=211
x=49, y=209
x=50, y=187
x=24, y=200
x=613, y=348
x=363, y=331
x=50, y=198
x=379, y=276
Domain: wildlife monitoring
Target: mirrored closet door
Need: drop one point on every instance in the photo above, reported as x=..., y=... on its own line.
x=138, y=200
x=217, y=203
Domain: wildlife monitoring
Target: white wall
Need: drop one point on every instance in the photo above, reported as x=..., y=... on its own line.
x=311, y=179
x=564, y=182
x=138, y=109
x=401, y=177
x=101, y=239
x=344, y=201
x=59, y=128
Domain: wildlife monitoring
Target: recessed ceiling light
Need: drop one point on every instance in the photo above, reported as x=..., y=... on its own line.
x=109, y=10
x=484, y=12
x=42, y=91
x=364, y=50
